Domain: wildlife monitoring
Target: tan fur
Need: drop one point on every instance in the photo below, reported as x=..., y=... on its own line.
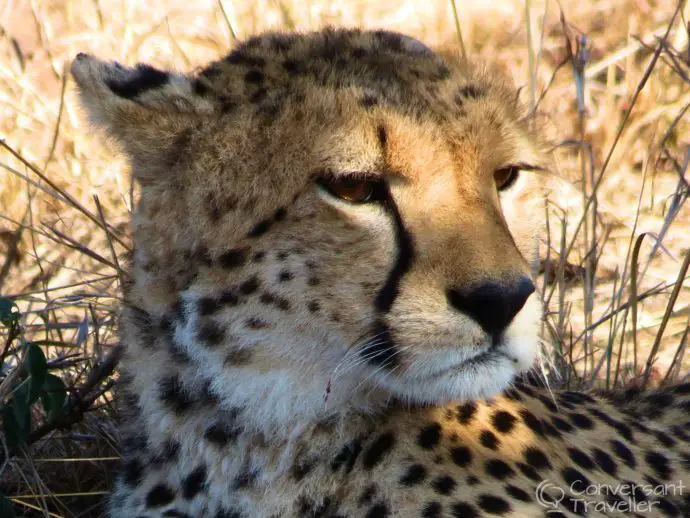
x=251, y=373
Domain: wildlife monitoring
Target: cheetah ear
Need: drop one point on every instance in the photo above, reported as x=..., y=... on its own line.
x=149, y=112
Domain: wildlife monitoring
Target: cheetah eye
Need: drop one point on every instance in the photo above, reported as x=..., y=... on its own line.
x=356, y=188
x=506, y=177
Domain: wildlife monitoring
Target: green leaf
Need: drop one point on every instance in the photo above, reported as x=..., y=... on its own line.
x=21, y=408
x=6, y=507
x=37, y=367
x=9, y=312
x=53, y=397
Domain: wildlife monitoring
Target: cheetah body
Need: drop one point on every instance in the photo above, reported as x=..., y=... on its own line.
x=303, y=329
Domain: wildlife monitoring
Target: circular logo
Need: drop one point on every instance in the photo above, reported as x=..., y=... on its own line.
x=549, y=495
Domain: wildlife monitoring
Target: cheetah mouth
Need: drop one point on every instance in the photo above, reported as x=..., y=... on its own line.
x=483, y=359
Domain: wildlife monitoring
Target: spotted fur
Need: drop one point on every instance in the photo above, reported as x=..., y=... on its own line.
x=290, y=353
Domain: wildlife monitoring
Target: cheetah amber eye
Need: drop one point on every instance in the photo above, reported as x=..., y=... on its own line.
x=506, y=177
x=353, y=189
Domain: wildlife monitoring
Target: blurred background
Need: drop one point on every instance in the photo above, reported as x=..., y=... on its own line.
x=608, y=80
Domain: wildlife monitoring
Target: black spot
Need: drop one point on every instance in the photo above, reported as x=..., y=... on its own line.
x=159, y=495
x=359, y=52
x=576, y=480
x=249, y=286
x=512, y=394
x=254, y=76
x=581, y=421
x=562, y=425
x=659, y=463
x=313, y=306
x=624, y=453
x=279, y=214
x=168, y=452
x=660, y=399
x=529, y=472
x=292, y=67
x=301, y=468
x=173, y=394
x=466, y=412
x=144, y=77
x=431, y=510
x=193, y=483
x=461, y=455
x=548, y=403
x=347, y=456
x=133, y=472
x=444, y=485
x=313, y=281
x=207, y=306
x=536, y=458
x=220, y=434
x=429, y=436
x=580, y=458
x=415, y=474
x=260, y=228
x=256, y=323
x=201, y=87
x=471, y=480
x=665, y=439
x=620, y=427
x=605, y=462
x=667, y=507
x=471, y=92
x=382, y=136
x=517, y=493
x=286, y=276
x=233, y=258
x=227, y=105
x=368, y=495
x=532, y=422
x=503, y=421
x=244, y=480
x=379, y=510
x=267, y=298
x=368, y=101
x=378, y=450
x=493, y=504
x=256, y=98
x=499, y=469
x=258, y=257
x=241, y=57
x=229, y=298
x=172, y=513
x=463, y=510
x=576, y=398
x=489, y=439
x=210, y=333
x=683, y=388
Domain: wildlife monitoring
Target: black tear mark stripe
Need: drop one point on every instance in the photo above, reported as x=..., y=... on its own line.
x=143, y=78
x=403, y=240
x=381, y=349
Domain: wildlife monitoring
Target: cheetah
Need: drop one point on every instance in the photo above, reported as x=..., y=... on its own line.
x=331, y=297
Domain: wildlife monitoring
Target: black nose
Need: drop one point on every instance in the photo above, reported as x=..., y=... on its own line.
x=491, y=304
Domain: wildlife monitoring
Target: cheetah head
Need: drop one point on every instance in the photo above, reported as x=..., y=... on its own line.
x=342, y=208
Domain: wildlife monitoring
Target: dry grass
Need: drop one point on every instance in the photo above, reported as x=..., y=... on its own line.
x=609, y=80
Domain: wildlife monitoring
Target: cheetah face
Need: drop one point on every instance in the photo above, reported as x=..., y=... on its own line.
x=343, y=206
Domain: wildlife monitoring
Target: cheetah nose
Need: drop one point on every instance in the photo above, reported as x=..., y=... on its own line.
x=491, y=304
